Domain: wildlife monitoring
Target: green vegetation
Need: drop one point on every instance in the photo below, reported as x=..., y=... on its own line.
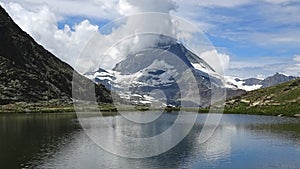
x=283, y=99
x=40, y=107
x=52, y=107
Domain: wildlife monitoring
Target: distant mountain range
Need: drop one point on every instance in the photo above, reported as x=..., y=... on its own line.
x=254, y=83
x=29, y=73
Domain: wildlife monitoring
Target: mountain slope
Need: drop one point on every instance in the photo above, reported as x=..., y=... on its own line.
x=169, y=68
x=276, y=79
x=29, y=73
x=281, y=99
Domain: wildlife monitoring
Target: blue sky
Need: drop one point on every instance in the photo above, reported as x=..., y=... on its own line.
x=245, y=21
x=261, y=37
x=72, y=20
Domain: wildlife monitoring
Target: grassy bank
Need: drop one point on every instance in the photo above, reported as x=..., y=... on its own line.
x=283, y=100
x=288, y=110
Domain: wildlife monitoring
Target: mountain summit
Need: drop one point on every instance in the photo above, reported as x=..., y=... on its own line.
x=170, y=70
x=29, y=73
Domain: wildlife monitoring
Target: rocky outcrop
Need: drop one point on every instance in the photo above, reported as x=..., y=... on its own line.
x=29, y=73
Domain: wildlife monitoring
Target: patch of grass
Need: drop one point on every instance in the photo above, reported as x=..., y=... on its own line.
x=283, y=99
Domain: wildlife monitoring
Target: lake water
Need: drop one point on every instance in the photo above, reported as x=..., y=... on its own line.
x=240, y=141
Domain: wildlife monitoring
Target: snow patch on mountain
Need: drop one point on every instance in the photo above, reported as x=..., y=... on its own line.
x=201, y=67
x=159, y=73
x=232, y=82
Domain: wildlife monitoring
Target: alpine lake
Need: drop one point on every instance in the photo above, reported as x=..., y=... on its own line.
x=57, y=140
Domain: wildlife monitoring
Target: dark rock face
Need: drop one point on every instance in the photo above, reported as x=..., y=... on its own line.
x=276, y=79
x=144, y=58
x=29, y=73
x=252, y=81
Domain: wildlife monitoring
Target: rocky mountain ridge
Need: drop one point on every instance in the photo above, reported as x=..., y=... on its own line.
x=255, y=83
x=29, y=73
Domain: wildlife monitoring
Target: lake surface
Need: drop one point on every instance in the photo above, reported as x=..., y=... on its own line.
x=240, y=141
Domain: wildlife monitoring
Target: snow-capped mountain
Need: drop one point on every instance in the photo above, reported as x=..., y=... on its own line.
x=165, y=72
x=255, y=83
x=234, y=82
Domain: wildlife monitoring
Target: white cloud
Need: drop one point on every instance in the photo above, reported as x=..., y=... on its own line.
x=230, y=3
x=125, y=36
x=222, y=3
x=41, y=24
x=67, y=44
x=279, y=1
x=263, y=22
x=294, y=69
x=214, y=3
x=100, y=9
x=129, y=7
x=218, y=61
x=297, y=58
x=40, y=21
x=262, y=67
x=40, y=18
